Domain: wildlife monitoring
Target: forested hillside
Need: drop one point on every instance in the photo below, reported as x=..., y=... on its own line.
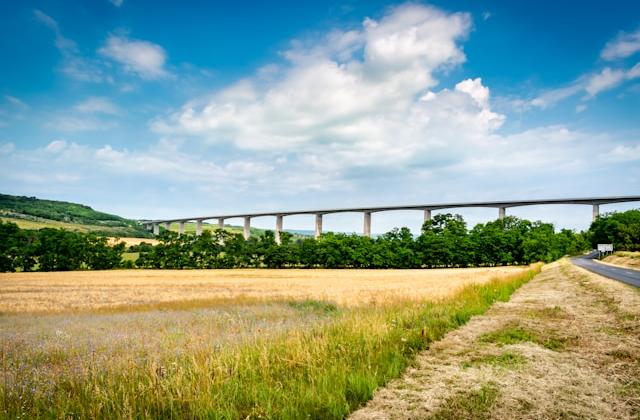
x=34, y=213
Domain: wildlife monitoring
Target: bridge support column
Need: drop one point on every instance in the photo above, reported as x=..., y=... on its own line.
x=156, y=229
x=318, y=225
x=596, y=211
x=366, y=230
x=427, y=214
x=501, y=213
x=278, y=229
x=221, y=223
x=247, y=227
x=180, y=228
x=198, y=227
x=167, y=225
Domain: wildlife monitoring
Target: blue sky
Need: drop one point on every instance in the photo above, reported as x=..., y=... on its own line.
x=158, y=109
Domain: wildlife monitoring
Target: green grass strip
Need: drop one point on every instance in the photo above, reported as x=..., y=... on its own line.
x=324, y=372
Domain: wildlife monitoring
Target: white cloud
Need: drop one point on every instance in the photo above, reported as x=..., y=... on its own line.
x=625, y=45
x=117, y=3
x=553, y=96
x=354, y=94
x=625, y=153
x=142, y=58
x=634, y=72
x=56, y=146
x=476, y=90
x=98, y=105
x=589, y=84
x=366, y=104
x=604, y=80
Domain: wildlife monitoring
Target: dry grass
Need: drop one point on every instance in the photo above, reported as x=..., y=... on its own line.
x=126, y=289
x=624, y=259
x=567, y=345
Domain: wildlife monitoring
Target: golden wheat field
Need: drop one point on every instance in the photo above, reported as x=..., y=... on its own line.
x=89, y=290
x=132, y=241
x=145, y=343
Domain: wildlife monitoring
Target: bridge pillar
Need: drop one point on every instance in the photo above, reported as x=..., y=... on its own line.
x=198, y=227
x=501, y=212
x=366, y=230
x=596, y=211
x=221, y=223
x=180, y=228
x=167, y=225
x=247, y=227
x=318, y=225
x=427, y=214
x=278, y=229
x=156, y=229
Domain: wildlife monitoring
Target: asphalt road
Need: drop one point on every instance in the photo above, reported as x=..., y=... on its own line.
x=624, y=275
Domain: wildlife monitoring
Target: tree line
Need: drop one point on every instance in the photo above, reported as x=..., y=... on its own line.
x=444, y=241
x=620, y=229
x=55, y=250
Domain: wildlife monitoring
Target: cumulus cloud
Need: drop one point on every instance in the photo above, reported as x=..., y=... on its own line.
x=624, y=45
x=139, y=57
x=365, y=103
x=351, y=98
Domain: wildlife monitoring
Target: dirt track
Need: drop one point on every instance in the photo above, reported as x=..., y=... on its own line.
x=567, y=345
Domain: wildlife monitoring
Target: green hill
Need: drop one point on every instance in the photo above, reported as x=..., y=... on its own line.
x=34, y=213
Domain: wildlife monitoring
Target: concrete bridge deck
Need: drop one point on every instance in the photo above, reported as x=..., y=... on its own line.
x=367, y=211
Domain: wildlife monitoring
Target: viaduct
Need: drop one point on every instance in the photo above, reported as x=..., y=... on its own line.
x=367, y=211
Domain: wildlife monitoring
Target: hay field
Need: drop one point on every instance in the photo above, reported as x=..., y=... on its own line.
x=127, y=289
